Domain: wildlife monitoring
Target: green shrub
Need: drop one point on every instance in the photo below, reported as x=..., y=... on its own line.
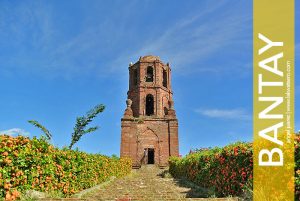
x=227, y=170
x=36, y=164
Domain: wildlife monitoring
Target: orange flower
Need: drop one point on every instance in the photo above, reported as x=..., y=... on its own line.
x=16, y=194
x=8, y=196
x=7, y=186
x=7, y=161
x=16, y=153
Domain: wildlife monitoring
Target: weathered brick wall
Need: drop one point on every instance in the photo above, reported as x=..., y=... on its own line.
x=162, y=135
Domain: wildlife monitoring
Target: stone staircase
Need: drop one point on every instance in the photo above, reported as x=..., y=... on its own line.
x=149, y=183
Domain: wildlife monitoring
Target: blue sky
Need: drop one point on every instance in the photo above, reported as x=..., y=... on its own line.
x=60, y=58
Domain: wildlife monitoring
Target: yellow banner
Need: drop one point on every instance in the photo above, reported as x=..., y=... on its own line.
x=273, y=99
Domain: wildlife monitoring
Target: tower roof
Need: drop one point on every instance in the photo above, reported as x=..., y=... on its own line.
x=149, y=58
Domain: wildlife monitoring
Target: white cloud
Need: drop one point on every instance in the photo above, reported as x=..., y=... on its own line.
x=197, y=37
x=225, y=113
x=15, y=132
x=186, y=41
x=52, y=52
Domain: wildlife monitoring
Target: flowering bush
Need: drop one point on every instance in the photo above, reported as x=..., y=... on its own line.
x=226, y=170
x=35, y=164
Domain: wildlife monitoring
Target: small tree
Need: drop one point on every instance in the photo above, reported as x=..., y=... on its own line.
x=82, y=122
x=38, y=125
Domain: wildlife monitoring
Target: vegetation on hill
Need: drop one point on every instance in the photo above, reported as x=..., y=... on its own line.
x=35, y=164
x=227, y=171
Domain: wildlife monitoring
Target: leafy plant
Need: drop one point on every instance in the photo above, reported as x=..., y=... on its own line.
x=35, y=164
x=82, y=122
x=80, y=126
x=38, y=125
x=225, y=170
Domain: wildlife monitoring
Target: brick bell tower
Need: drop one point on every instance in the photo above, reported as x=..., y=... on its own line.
x=149, y=125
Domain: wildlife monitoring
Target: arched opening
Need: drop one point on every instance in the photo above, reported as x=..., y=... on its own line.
x=165, y=78
x=166, y=110
x=149, y=105
x=135, y=77
x=148, y=147
x=149, y=75
x=150, y=156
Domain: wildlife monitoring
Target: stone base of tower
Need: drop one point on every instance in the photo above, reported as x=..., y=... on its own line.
x=149, y=140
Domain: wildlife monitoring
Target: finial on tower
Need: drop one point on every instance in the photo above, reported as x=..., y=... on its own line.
x=128, y=112
x=128, y=103
x=171, y=112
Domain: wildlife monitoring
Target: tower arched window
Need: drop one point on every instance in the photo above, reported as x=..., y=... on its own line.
x=165, y=79
x=166, y=110
x=135, y=77
x=149, y=75
x=149, y=105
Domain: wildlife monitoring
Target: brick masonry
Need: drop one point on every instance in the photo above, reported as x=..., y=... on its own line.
x=149, y=122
